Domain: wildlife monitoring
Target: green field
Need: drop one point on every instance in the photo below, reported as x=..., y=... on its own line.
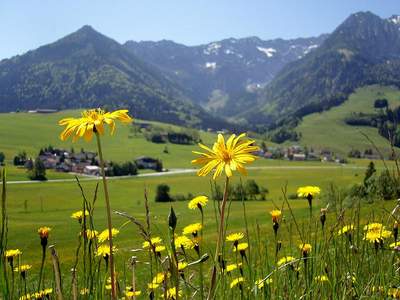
x=329, y=130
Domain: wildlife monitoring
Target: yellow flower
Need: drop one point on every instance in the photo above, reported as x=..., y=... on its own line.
x=103, y=236
x=153, y=241
x=43, y=293
x=27, y=297
x=91, y=234
x=227, y=157
x=232, y=267
x=192, y=229
x=234, y=237
x=236, y=281
x=395, y=245
x=159, y=248
x=374, y=227
x=160, y=277
x=84, y=291
x=44, y=232
x=394, y=293
x=182, y=265
x=346, y=229
x=286, y=260
x=321, y=278
x=184, y=242
x=92, y=120
x=13, y=253
x=198, y=202
x=79, y=215
x=305, y=248
x=276, y=215
x=152, y=286
x=171, y=293
x=307, y=191
x=22, y=268
x=131, y=293
x=241, y=247
x=260, y=283
x=375, y=236
x=104, y=250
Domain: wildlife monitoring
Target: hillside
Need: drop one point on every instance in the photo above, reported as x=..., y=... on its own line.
x=222, y=74
x=363, y=50
x=88, y=69
x=329, y=130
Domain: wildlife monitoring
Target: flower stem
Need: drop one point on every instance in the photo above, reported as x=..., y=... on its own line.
x=112, y=275
x=219, y=241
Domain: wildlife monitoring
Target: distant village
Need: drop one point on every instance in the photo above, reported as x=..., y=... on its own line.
x=85, y=162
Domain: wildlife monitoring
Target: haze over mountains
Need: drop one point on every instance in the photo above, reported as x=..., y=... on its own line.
x=248, y=80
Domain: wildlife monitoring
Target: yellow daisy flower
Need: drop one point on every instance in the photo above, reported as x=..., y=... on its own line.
x=44, y=232
x=375, y=236
x=241, y=247
x=184, y=242
x=91, y=234
x=78, y=215
x=234, y=237
x=130, y=293
x=305, y=248
x=232, y=267
x=346, y=229
x=160, y=277
x=307, y=191
x=91, y=121
x=236, y=281
x=103, y=236
x=159, y=248
x=182, y=265
x=198, y=202
x=104, y=250
x=227, y=157
x=276, y=215
x=171, y=293
x=13, y=253
x=192, y=229
x=321, y=278
x=153, y=241
x=374, y=227
x=286, y=260
x=152, y=286
x=395, y=245
x=22, y=268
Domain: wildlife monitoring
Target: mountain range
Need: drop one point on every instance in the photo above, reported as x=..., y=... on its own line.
x=247, y=81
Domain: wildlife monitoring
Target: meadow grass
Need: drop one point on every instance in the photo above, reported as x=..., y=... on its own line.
x=329, y=130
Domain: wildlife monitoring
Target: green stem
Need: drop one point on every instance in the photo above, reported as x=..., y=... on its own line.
x=41, y=267
x=108, y=208
x=219, y=242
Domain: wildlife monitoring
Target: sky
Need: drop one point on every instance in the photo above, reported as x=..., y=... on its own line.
x=28, y=24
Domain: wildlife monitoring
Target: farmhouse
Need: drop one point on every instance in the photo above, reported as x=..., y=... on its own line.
x=145, y=162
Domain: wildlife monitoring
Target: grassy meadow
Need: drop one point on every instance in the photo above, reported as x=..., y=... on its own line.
x=329, y=130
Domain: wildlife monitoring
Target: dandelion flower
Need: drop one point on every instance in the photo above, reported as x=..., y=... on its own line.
x=91, y=234
x=226, y=157
x=232, y=267
x=22, y=268
x=375, y=236
x=192, y=229
x=286, y=260
x=346, y=229
x=160, y=277
x=103, y=236
x=13, y=253
x=395, y=245
x=153, y=241
x=308, y=191
x=241, y=247
x=198, y=202
x=130, y=293
x=84, y=291
x=305, y=248
x=275, y=214
x=321, y=278
x=374, y=227
x=235, y=237
x=44, y=232
x=236, y=281
x=159, y=248
x=78, y=215
x=171, y=293
x=152, y=286
x=182, y=265
x=91, y=121
x=184, y=242
x=104, y=250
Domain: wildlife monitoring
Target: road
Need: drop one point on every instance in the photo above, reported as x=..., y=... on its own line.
x=180, y=171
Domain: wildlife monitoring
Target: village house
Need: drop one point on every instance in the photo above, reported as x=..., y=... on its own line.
x=145, y=162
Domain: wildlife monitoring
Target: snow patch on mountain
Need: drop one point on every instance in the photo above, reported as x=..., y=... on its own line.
x=211, y=65
x=212, y=48
x=269, y=52
x=395, y=19
x=310, y=48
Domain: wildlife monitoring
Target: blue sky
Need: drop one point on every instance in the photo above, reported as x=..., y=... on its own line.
x=28, y=24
